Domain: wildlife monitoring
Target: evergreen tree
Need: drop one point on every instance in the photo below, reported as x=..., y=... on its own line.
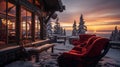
x=82, y=28
x=119, y=35
x=49, y=28
x=115, y=32
x=64, y=33
x=115, y=35
x=74, y=31
x=61, y=30
x=57, y=29
x=111, y=36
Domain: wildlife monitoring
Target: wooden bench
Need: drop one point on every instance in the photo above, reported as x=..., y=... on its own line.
x=35, y=48
x=60, y=39
x=36, y=43
x=14, y=53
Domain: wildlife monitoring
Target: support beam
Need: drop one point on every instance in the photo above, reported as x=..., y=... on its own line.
x=29, y=6
x=18, y=23
x=33, y=25
x=41, y=28
x=46, y=21
x=43, y=23
x=26, y=28
x=6, y=23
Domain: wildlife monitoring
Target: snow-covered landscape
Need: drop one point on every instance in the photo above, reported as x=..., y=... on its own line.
x=35, y=33
x=48, y=59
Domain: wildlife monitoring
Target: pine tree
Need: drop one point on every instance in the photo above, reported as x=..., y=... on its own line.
x=115, y=35
x=57, y=28
x=74, y=31
x=61, y=31
x=112, y=36
x=82, y=28
x=49, y=28
x=119, y=35
x=64, y=33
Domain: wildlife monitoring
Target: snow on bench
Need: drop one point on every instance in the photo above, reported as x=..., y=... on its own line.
x=37, y=50
x=40, y=48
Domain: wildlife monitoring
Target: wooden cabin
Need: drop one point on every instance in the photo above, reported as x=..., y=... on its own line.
x=24, y=21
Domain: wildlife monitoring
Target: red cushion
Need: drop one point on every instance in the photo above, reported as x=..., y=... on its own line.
x=74, y=55
x=78, y=43
x=97, y=46
x=78, y=50
x=82, y=39
x=90, y=41
x=85, y=37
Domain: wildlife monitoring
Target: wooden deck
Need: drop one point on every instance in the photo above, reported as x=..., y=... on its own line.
x=10, y=54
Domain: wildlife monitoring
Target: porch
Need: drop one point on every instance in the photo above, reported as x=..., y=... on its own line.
x=48, y=59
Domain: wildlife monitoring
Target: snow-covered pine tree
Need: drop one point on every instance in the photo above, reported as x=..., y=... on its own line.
x=74, y=31
x=112, y=36
x=115, y=35
x=61, y=31
x=82, y=28
x=49, y=28
x=64, y=33
x=57, y=27
x=119, y=35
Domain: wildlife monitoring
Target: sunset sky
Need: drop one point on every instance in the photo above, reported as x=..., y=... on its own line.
x=99, y=15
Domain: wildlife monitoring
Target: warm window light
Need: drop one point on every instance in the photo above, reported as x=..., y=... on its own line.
x=10, y=24
x=4, y=22
x=24, y=25
x=13, y=25
x=36, y=21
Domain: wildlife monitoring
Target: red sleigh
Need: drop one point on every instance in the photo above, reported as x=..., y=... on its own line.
x=87, y=56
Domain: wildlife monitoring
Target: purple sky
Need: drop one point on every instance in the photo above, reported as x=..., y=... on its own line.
x=95, y=12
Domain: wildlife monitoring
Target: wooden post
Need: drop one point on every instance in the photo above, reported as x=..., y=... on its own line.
x=41, y=28
x=52, y=49
x=6, y=22
x=18, y=23
x=33, y=25
x=26, y=24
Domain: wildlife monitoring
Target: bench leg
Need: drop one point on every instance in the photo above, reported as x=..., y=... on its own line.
x=52, y=49
x=64, y=43
x=37, y=57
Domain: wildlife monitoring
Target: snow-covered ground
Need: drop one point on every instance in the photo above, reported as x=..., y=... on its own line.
x=48, y=59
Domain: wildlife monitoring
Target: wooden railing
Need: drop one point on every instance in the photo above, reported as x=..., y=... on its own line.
x=60, y=39
x=115, y=44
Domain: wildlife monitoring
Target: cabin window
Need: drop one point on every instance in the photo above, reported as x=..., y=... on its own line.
x=37, y=27
x=7, y=24
x=26, y=25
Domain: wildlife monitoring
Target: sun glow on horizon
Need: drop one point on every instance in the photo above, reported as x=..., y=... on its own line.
x=95, y=28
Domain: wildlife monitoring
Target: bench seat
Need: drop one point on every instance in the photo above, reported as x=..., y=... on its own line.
x=36, y=50
x=40, y=48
